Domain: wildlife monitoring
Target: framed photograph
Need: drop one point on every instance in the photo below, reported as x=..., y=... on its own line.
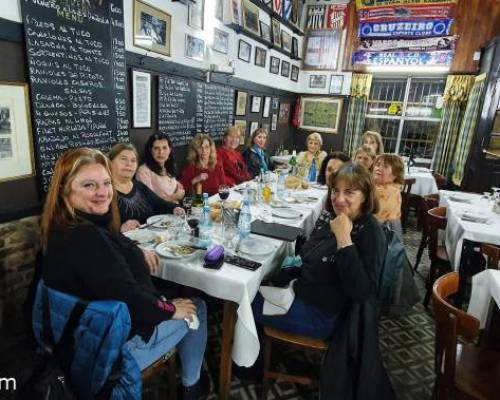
x=317, y=81
x=241, y=103
x=284, y=114
x=195, y=48
x=221, y=41
x=336, y=83
x=141, y=100
x=260, y=57
x=274, y=65
x=286, y=41
x=16, y=144
x=253, y=126
x=265, y=31
x=152, y=28
x=267, y=107
x=231, y=13
x=256, y=100
x=285, y=69
x=295, y=47
x=266, y=126
x=276, y=103
x=196, y=13
x=321, y=114
x=295, y=12
x=250, y=17
x=274, y=122
x=294, y=76
x=241, y=124
x=244, y=51
x=322, y=50
x=219, y=10
x=276, y=32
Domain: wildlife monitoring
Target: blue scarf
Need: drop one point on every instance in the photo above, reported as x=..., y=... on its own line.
x=262, y=157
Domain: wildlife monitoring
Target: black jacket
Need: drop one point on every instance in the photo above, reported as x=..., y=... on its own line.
x=253, y=162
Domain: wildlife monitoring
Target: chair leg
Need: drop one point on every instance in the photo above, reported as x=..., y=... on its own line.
x=430, y=282
x=423, y=244
x=267, y=368
x=172, y=382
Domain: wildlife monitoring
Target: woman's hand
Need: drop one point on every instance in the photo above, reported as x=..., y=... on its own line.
x=129, y=225
x=152, y=261
x=341, y=227
x=184, y=308
x=179, y=211
x=179, y=192
x=200, y=178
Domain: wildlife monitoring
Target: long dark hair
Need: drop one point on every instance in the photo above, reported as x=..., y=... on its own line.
x=170, y=165
x=336, y=155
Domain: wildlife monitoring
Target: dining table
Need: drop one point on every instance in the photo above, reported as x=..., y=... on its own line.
x=236, y=286
x=425, y=183
x=485, y=289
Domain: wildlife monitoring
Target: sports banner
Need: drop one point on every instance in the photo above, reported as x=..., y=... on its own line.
x=404, y=12
x=405, y=28
x=277, y=6
x=404, y=58
x=287, y=10
x=335, y=16
x=427, y=44
x=364, y=4
x=315, y=17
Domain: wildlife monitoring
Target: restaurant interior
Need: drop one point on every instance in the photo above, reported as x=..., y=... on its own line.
x=412, y=86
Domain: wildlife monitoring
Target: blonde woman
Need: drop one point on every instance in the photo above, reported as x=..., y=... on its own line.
x=373, y=140
x=365, y=156
x=202, y=166
x=314, y=153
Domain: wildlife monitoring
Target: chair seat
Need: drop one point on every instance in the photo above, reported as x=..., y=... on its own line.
x=296, y=340
x=478, y=372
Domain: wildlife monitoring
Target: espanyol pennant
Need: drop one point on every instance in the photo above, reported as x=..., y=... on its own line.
x=405, y=28
x=403, y=58
x=287, y=9
x=315, y=17
x=363, y=4
x=277, y=6
x=335, y=16
x=427, y=44
x=404, y=12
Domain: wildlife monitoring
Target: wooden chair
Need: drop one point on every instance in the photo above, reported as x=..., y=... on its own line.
x=405, y=201
x=440, y=180
x=271, y=336
x=439, y=258
x=429, y=201
x=492, y=253
x=462, y=370
x=165, y=365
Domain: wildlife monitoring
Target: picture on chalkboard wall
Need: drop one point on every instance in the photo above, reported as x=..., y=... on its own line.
x=274, y=65
x=250, y=17
x=221, y=41
x=241, y=124
x=16, y=149
x=265, y=31
x=267, y=107
x=274, y=122
x=141, y=100
x=294, y=76
x=244, y=51
x=284, y=115
x=196, y=12
x=260, y=57
x=253, y=126
x=241, y=103
x=152, y=28
x=266, y=126
x=195, y=48
x=276, y=31
x=285, y=68
x=256, y=100
x=276, y=103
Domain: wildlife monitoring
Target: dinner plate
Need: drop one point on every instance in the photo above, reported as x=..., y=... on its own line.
x=319, y=186
x=163, y=221
x=287, y=213
x=175, y=250
x=474, y=216
x=141, y=236
x=255, y=246
x=304, y=198
x=459, y=197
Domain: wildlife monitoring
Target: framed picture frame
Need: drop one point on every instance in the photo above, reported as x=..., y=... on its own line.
x=250, y=14
x=265, y=31
x=152, y=28
x=294, y=75
x=267, y=107
x=253, y=126
x=336, y=84
x=285, y=68
x=260, y=57
x=320, y=114
x=284, y=113
x=286, y=41
x=317, y=81
x=196, y=14
x=241, y=125
x=276, y=32
x=241, y=103
x=274, y=122
x=244, y=51
x=256, y=101
x=219, y=10
x=322, y=50
x=266, y=126
x=195, y=48
x=141, y=100
x=276, y=103
x=221, y=41
x=274, y=65
x=16, y=143
x=295, y=47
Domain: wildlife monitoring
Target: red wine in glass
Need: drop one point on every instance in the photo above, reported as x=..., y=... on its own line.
x=223, y=195
x=193, y=224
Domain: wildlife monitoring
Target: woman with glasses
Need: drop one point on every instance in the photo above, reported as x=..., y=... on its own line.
x=158, y=171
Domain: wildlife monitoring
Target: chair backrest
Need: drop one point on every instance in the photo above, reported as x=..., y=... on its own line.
x=440, y=180
x=450, y=323
x=436, y=220
x=427, y=202
x=493, y=255
x=408, y=183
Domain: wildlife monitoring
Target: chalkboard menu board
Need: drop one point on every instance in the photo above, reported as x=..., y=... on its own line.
x=187, y=107
x=76, y=57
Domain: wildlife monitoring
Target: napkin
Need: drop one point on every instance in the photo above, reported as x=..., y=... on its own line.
x=193, y=323
x=277, y=301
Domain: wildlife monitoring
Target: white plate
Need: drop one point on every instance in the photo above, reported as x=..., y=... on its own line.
x=474, y=216
x=459, y=197
x=255, y=247
x=167, y=250
x=287, y=213
x=304, y=198
x=319, y=186
x=163, y=221
x=141, y=236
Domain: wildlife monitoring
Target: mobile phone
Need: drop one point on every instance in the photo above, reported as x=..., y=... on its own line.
x=242, y=262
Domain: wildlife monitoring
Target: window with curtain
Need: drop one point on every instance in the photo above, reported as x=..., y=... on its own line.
x=406, y=111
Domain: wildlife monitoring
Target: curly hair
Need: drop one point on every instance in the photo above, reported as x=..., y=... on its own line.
x=197, y=142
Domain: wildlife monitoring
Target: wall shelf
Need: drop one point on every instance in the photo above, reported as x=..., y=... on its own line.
x=277, y=17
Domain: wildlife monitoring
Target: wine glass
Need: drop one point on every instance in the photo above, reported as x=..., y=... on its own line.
x=224, y=191
x=187, y=202
x=193, y=220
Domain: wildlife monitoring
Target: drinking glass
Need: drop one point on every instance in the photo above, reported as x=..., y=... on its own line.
x=193, y=221
x=187, y=202
x=224, y=191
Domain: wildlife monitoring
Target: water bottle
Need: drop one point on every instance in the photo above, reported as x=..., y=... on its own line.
x=245, y=217
x=312, y=171
x=280, y=189
x=205, y=222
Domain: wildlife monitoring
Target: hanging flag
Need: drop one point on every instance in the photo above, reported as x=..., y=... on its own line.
x=315, y=17
x=405, y=28
x=335, y=16
x=286, y=9
x=404, y=58
x=277, y=6
x=426, y=44
x=404, y=12
x=364, y=4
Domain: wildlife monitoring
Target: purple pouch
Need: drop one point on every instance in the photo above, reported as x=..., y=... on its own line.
x=214, y=258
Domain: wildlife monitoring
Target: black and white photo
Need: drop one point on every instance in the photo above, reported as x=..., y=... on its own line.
x=336, y=83
x=276, y=32
x=254, y=125
x=294, y=76
x=285, y=68
x=286, y=41
x=152, y=28
x=256, y=100
x=295, y=47
x=221, y=41
x=260, y=57
x=265, y=31
x=267, y=107
x=274, y=65
x=244, y=51
x=251, y=17
x=317, y=81
x=195, y=48
x=141, y=100
x=196, y=13
x=274, y=122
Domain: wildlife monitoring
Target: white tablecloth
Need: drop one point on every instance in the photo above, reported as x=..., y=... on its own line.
x=457, y=229
x=485, y=286
x=281, y=159
x=241, y=285
x=424, y=181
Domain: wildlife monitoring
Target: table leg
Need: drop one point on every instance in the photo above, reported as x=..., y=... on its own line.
x=228, y=324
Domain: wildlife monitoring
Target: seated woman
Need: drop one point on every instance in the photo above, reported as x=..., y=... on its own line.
x=202, y=166
x=365, y=156
x=388, y=174
x=331, y=164
x=342, y=260
x=314, y=153
x=136, y=202
x=158, y=170
x=231, y=159
x=255, y=154
x=373, y=140
x=86, y=256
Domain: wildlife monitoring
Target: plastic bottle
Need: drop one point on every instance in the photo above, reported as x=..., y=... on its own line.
x=312, y=171
x=245, y=219
x=293, y=163
x=280, y=189
x=205, y=222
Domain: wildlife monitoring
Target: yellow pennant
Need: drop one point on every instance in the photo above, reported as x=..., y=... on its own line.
x=366, y=4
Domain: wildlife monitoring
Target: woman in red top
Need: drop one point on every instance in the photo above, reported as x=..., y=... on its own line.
x=231, y=159
x=202, y=165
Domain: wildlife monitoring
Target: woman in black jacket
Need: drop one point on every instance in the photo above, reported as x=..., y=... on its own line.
x=255, y=154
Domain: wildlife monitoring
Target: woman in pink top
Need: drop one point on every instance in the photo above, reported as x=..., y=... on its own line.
x=158, y=170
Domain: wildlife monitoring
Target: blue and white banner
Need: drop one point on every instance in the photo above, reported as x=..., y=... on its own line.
x=423, y=44
x=395, y=13
x=405, y=28
x=404, y=58
x=287, y=10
